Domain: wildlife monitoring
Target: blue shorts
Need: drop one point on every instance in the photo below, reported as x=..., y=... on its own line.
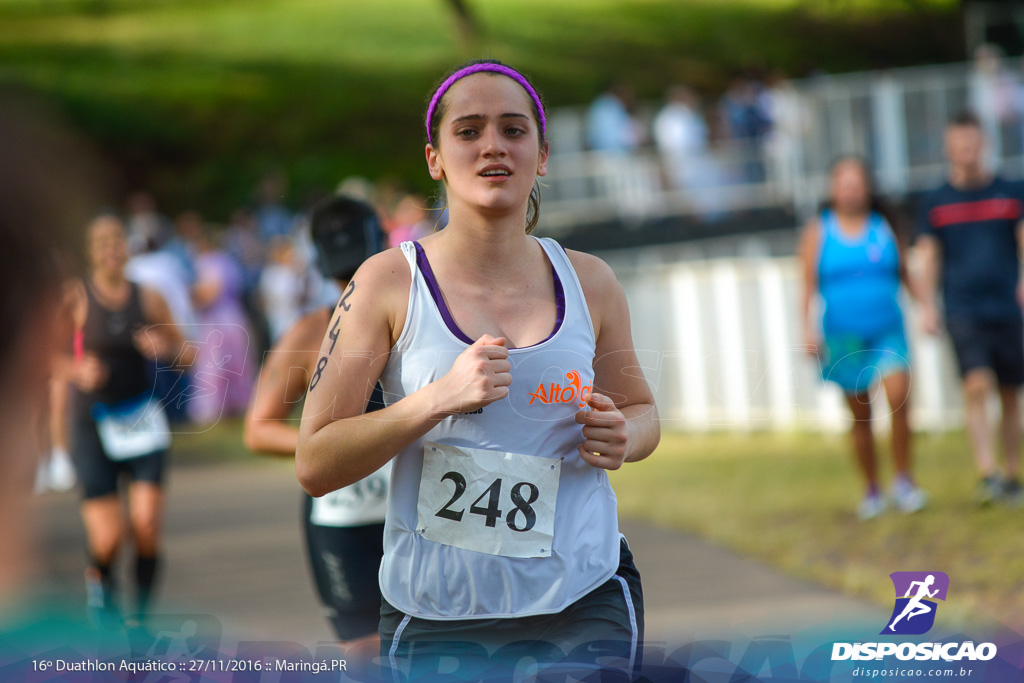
x=856, y=362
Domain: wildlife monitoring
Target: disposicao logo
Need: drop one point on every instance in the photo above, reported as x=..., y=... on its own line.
x=914, y=614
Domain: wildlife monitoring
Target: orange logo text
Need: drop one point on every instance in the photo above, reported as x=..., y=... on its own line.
x=556, y=393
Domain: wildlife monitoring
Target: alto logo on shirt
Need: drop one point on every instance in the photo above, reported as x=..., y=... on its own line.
x=554, y=392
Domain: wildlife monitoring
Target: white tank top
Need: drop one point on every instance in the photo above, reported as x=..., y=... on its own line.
x=361, y=503
x=493, y=513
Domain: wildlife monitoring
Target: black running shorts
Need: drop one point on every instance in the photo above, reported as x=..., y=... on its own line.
x=98, y=474
x=604, y=627
x=345, y=562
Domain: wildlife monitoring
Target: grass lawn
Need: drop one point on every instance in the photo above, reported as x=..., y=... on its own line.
x=196, y=98
x=789, y=500
x=218, y=443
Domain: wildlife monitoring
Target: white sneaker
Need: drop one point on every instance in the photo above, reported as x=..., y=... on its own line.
x=61, y=471
x=907, y=497
x=871, y=506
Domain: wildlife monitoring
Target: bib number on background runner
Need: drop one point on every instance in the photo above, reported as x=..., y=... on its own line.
x=133, y=428
x=364, y=502
x=488, y=501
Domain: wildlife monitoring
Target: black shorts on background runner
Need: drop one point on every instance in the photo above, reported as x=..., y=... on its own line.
x=996, y=346
x=98, y=474
x=345, y=562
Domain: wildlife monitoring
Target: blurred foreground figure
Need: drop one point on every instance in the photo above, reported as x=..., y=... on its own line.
x=41, y=191
x=26, y=349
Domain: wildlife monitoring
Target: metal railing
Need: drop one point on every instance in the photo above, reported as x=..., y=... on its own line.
x=894, y=118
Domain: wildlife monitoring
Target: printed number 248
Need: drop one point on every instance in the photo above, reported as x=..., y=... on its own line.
x=491, y=513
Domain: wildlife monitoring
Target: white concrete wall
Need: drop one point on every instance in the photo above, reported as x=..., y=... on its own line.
x=720, y=341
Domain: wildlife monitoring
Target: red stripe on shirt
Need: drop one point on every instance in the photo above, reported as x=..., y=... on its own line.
x=970, y=212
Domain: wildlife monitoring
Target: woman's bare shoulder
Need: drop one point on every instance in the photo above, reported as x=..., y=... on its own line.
x=381, y=288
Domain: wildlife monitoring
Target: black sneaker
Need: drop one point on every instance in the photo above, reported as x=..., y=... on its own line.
x=990, y=489
x=100, y=606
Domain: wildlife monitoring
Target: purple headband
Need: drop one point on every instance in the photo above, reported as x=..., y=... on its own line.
x=477, y=68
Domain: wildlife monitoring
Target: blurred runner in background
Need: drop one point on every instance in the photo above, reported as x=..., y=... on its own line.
x=119, y=427
x=344, y=529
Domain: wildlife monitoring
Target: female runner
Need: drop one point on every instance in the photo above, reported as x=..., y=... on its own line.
x=511, y=386
x=118, y=427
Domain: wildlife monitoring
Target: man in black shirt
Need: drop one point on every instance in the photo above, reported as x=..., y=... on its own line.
x=970, y=232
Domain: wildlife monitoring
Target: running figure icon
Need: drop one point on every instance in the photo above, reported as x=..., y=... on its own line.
x=916, y=607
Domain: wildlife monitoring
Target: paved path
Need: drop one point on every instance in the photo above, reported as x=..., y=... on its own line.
x=234, y=550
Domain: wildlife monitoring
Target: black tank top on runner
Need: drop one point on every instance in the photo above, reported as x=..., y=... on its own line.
x=108, y=334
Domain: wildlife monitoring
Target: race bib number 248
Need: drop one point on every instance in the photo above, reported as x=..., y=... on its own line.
x=488, y=501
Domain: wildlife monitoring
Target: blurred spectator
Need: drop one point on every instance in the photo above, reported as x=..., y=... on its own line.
x=613, y=134
x=387, y=194
x=747, y=125
x=273, y=218
x=184, y=244
x=782, y=106
x=281, y=288
x=223, y=368
x=242, y=241
x=970, y=235
x=684, y=143
x=611, y=127
x=357, y=187
x=682, y=137
x=993, y=95
x=409, y=221
x=853, y=262
x=145, y=225
x=162, y=271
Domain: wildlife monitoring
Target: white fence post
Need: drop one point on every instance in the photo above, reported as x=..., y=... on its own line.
x=689, y=342
x=732, y=345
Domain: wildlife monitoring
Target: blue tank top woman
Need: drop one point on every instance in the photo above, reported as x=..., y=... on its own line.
x=858, y=279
